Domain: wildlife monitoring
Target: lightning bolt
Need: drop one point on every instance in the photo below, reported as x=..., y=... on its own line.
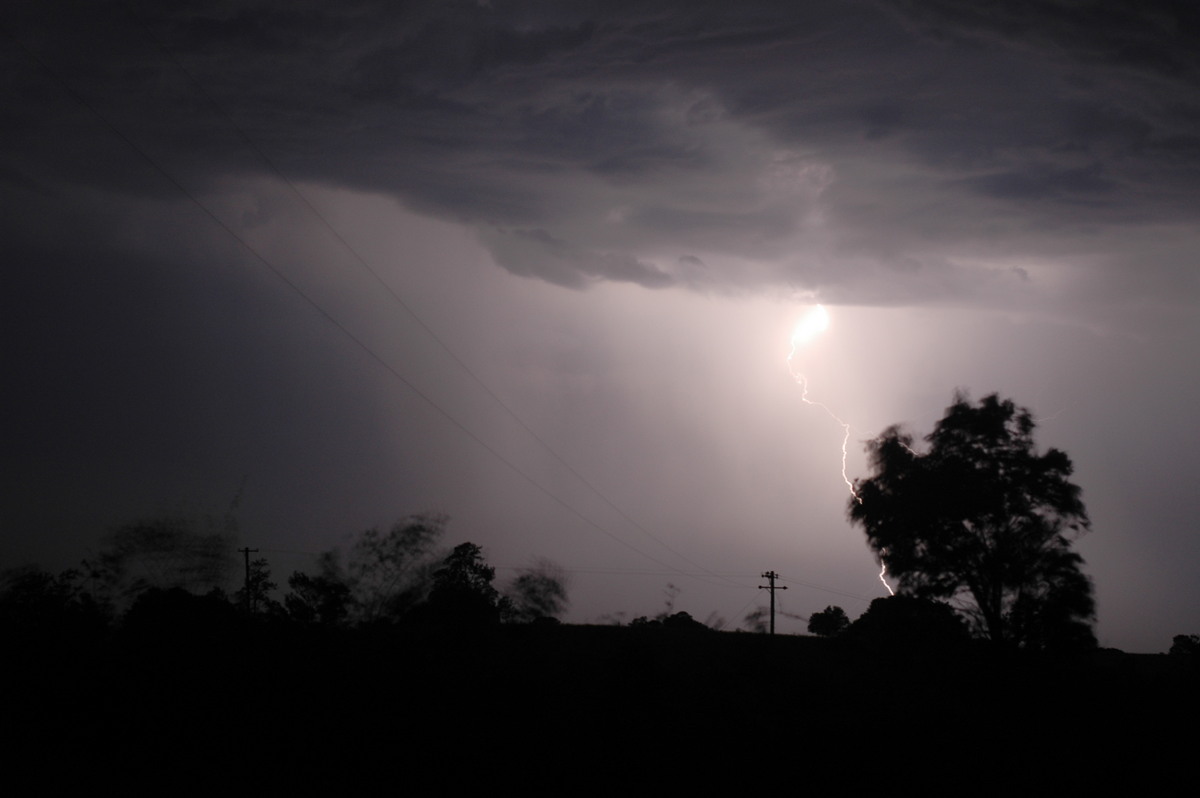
x=812, y=325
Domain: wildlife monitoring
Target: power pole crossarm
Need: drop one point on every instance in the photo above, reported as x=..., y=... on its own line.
x=771, y=576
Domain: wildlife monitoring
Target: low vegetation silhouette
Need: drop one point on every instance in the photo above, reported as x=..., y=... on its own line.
x=1186, y=646
x=193, y=552
x=908, y=623
x=396, y=653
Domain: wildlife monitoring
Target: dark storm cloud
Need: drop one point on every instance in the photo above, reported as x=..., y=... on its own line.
x=1083, y=185
x=536, y=253
x=148, y=361
x=1150, y=36
x=939, y=158
x=632, y=134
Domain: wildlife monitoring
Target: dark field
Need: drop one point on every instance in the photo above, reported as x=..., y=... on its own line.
x=259, y=709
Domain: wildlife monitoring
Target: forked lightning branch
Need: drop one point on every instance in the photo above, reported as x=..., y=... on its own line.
x=815, y=322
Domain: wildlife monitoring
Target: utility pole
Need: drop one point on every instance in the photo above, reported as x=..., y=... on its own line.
x=246, y=589
x=771, y=576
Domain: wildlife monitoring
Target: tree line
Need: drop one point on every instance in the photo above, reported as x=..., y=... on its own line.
x=170, y=565
x=974, y=523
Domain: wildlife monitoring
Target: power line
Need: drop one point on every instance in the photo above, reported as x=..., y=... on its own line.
x=445, y=348
x=827, y=589
x=332, y=320
x=753, y=599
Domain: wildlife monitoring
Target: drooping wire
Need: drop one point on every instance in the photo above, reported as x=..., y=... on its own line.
x=407, y=309
x=200, y=205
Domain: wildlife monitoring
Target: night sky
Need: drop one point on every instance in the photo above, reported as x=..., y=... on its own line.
x=536, y=265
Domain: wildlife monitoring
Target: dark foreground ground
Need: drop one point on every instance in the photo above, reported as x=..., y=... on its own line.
x=585, y=710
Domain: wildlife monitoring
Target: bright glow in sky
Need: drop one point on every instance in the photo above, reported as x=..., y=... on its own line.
x=812, y=324
x=154, y=362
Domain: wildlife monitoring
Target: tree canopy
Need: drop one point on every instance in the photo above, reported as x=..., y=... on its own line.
x=829, y=622
x=177, y=550
x=538, y=592
x=462, y=590
x=983, y=520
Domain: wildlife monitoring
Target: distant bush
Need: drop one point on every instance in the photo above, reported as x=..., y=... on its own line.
x=828, y=622
x=1185, y=645
x=906, y=622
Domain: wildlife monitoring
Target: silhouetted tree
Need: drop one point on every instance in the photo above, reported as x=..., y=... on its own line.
x=1185, y=646
x=179, y=616
x=258, y=597
x=37, y=602
x=196, y=554
x=677, y=622
x=390, y=573
x=318, y=599
x=828, y=622
x=382, y=577
x=537, y=592
x=983, y=520
x=462, y=591
x=684, y=622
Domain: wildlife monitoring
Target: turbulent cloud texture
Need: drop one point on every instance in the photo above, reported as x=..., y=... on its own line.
x=535, y=264
x=872, y=152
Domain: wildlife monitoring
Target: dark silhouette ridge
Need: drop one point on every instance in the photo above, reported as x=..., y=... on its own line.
x=677, y=622
x=182, y=617
x=41, y=608
x=322, y=707
x=181, y=688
